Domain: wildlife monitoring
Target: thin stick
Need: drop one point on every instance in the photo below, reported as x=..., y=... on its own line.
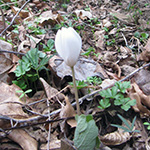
x=76, y=92
x=49, y=132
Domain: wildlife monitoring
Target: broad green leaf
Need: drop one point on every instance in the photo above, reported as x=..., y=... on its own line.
x=85, y=139
x=104, y=103
x=21, y=83
x=126, y=106
x=21, y=69
x=122, y=86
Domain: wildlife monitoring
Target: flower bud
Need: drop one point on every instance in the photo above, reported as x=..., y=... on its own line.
x=68, y=45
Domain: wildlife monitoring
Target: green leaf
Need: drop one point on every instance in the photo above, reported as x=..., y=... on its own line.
x=86, y=133
x=146, y=123
x=144, y=36
x=104, y=103
x=122, y=86
x=121, y=127
x=109, y=93
x=133, y=122
x=22, y=95
x=124, y=121
x=126, y=106
x=19, y=91
x=22, y=68
x=28, y=91
x=79, y=84
x=21, y=83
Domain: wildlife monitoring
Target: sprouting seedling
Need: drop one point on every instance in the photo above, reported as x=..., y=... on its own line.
x=68, y=45
x=128, y=127
x=24, y=93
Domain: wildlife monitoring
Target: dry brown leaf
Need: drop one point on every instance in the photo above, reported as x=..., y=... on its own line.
x=67, y=111
x=23, y=13
x=145, y=55
x=65, y=145
x=84, y=68
x=10, y=104
x=107, y=82
x=107, y=23
x=54, y=143
x=23, y=139
x=24, y=46
x=48, y=17
x=52, y=92
x=34, y=41
x=142, y=78
x=22, y=33
x=83, y=14
x=120, y=16
x=99, y=37
x=5, y=60
x=142, y=101
x=116, y=138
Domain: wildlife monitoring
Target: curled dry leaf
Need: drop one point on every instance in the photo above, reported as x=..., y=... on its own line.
x=83, y=14
x=116, y=138
x=142, y=100
x=67, y=111
x=23, y=139
x=147, y=144
x=48, y=17
x=11, y=106
x=142, y=78
x=52, y=92
x=145, y=55
x=23, y=13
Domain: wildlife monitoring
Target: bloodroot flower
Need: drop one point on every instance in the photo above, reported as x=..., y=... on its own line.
x=68, y=45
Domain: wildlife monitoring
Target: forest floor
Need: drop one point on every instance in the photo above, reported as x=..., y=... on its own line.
x=37, y=102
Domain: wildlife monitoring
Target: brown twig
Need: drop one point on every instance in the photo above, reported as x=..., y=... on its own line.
x=14, y=17
x=12, y=52
x=36, y=123
x=49, y=132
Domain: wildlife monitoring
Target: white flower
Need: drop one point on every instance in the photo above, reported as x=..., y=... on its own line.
x=68, y=45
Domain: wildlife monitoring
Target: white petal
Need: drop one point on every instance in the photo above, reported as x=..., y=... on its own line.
x=68, y=45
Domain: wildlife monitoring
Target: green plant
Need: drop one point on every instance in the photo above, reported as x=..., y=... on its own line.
x=116, y=94
x=36, y=30
x=104, y=103
x=28, y=68
x=109, y=43
x=94, y=80
x=89, y=81
x=105, y=29
x=24, y=93
x=88, y=52
x=128, y=127
x=49, y=46
x=136, y=12
x=147, y=124
x=142, y=36
x=86, y=133
x=79, y=84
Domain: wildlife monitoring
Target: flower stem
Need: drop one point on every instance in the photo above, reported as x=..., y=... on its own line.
x=76, y=92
